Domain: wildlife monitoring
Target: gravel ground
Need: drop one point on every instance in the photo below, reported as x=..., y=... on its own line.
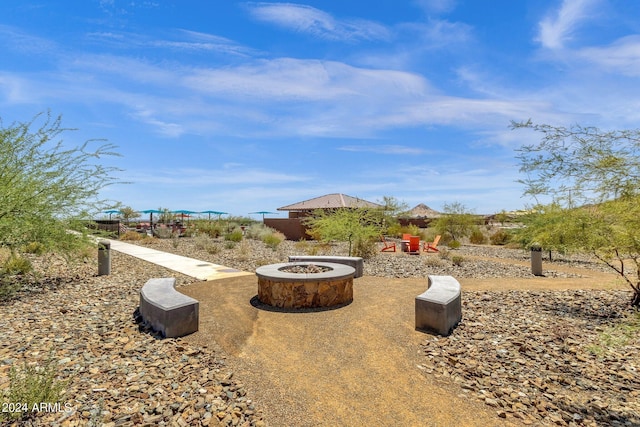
x=534, y=356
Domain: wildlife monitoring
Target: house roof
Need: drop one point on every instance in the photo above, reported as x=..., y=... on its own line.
x=330, y=201
x=422, y=211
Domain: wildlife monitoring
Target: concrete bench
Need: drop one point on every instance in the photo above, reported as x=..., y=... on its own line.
x=439, y=308
x=167, y=310
x=353, y=261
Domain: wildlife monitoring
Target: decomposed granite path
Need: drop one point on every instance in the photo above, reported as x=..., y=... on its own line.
x=352, y=366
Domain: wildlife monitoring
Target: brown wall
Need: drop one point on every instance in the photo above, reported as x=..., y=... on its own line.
x=420, y=222
x=292, y=228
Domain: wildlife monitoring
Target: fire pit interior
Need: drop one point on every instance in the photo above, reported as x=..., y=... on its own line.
x=305, y=269
x=305, y=284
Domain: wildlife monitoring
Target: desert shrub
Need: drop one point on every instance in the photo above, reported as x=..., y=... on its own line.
x=15, y=265
x=457, y=260
x=212, y=248
x=131, y=235
x=35, y=248
x=163, y=232
x=365, y=248
x=230, y=245
x=244, y=251
x=477, y=237
x=189, y=232
x=454, y=244
x=211, y=229
x=273, y=239
x=394, y=230
x=148, y=240
x=201, y=241
x=500, y=237
x=412, y=229
x=234, y=236
x=444, y=253
x=302, y=246
x=264, y=261
x=431, y=261
x=257, y=231
x=175, y=240
x=31, y=386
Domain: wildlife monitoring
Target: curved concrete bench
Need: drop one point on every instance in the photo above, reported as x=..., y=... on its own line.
x=167, y=310
x=439, y=308
x=353, y=261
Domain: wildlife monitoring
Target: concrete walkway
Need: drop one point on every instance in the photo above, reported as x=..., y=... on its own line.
x=201, y=270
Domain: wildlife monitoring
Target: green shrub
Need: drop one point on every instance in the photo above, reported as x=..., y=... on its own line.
x=16, y=265
x=32, y=385
x=454, y=244
x=477, y=237
x=35, y=248
x=500, y=237
x=230, y=245
x=457, y=260
x=273, y=239
x=234, y=236
x=211, y=229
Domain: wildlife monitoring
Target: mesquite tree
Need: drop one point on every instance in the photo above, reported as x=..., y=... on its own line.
x=593, y=177
x=45, y=186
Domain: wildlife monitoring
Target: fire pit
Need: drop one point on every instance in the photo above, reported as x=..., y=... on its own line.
x=305, y=284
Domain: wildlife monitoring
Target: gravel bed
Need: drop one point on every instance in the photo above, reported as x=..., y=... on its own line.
x=250, y=254
x=533, y=356
x=539, y=356
x=118, y=372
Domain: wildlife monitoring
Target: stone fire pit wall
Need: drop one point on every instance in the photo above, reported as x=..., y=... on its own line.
x=305, y=290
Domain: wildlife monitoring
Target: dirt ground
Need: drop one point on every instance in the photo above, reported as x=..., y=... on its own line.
x=352, y=366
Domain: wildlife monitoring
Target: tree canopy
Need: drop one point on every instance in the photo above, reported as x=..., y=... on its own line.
x=358, y=226
x=45, y=187
x=593, y=178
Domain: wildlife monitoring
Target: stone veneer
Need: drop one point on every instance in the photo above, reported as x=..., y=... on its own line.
x=305, y=290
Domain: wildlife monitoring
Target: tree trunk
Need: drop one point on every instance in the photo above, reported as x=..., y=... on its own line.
x=635, y=301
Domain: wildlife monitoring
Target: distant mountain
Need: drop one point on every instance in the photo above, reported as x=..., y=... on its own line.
x=422, y=211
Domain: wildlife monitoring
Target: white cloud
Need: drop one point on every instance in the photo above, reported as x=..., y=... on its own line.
x=383, y=149
x=288, y=79
x=622, y=56
x=307, y=19
x=183, y=41
x=557, y=29
x=237, y=175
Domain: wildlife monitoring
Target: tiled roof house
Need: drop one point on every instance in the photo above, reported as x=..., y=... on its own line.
x=293, y=227
x=329, y=201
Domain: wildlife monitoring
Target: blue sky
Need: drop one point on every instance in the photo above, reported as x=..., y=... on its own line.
x=248, y=106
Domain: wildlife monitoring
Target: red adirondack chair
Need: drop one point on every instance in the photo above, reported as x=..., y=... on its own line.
x=388, y=246
x=414, y=245
x=431, y=246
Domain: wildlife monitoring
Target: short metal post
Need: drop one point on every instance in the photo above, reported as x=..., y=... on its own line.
x=536, y=260
x=104, y=258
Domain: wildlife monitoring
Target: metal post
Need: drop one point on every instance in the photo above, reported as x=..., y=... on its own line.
x=536, y=260
x=104, y=258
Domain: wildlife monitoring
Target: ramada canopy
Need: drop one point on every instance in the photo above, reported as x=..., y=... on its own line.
x=330, y=201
